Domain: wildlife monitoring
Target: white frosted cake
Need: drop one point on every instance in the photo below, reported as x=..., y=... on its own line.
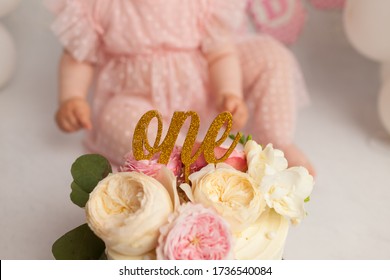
x=196, y=201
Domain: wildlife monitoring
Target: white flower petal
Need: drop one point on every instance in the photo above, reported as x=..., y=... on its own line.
x=188, y=191
x=168, y=180
x=263, y=162
x=286, y=191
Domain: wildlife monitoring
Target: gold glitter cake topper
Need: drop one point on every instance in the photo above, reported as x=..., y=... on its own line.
x=142, y=150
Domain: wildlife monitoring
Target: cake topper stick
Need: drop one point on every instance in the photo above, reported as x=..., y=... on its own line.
x=165, y=148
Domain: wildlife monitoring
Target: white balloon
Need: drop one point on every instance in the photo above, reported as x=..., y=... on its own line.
x=367, y=27
x=384, y=97
x=366, y=24
x=7, y=6
x=384, y=105
x=7, y=56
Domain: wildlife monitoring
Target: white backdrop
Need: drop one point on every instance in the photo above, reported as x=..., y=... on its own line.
x=349, y=212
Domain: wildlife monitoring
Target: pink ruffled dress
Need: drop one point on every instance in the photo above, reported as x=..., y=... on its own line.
x=149, y=54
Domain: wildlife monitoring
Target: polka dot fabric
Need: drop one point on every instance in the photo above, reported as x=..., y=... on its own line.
x=270, y=89
x=150, y=54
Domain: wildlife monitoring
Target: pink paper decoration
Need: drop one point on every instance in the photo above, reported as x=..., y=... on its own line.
x=284, y=19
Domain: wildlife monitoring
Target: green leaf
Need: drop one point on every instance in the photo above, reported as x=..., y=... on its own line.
x=78, y=244
x=243, y=138
x=307, y=199
x=78, y=196
x=89, y=170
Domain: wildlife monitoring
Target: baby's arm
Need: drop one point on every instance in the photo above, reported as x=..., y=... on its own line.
x=226, y=82
x=75, y=78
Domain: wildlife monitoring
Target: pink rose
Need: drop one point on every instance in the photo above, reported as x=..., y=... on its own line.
x=236, y=159
x=152, y=167
x=194, y=233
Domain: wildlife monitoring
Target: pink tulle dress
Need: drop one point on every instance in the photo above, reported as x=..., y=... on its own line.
x=149, y=54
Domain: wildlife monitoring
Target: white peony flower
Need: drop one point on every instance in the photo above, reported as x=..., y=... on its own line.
x=126, y=211
x=286, y=191
x=263, y=162
x=231, y=193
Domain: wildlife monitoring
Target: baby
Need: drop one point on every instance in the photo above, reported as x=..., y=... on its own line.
x=172, y=55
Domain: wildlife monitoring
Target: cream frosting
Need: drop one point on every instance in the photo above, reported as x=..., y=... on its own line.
x=264, y=240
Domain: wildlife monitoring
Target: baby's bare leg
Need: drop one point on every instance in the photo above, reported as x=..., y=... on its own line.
x=296, y=157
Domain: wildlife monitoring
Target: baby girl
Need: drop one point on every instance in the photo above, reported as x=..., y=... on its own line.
x=172, y=55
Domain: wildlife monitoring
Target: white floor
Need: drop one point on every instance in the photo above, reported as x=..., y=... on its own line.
x=349, y=214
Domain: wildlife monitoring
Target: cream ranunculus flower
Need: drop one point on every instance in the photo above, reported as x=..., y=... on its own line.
x=286, y=192
x=126, y=211
x=231, y=193
x=263, y=162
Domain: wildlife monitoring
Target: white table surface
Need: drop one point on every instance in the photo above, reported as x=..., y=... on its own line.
x=349, y=214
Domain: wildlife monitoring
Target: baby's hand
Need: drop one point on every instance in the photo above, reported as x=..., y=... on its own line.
x=73, y=115
x=237, y=107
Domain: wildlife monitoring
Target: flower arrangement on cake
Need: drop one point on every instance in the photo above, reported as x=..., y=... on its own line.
x=199, y=201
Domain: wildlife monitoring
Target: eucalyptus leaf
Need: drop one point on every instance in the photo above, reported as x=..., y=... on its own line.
x=78, y=196
x=88, y=170
x=78, y=244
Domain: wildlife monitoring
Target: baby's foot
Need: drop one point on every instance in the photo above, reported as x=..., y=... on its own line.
x=296, y=157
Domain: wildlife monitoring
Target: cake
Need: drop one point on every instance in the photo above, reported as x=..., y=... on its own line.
x=201, y=200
